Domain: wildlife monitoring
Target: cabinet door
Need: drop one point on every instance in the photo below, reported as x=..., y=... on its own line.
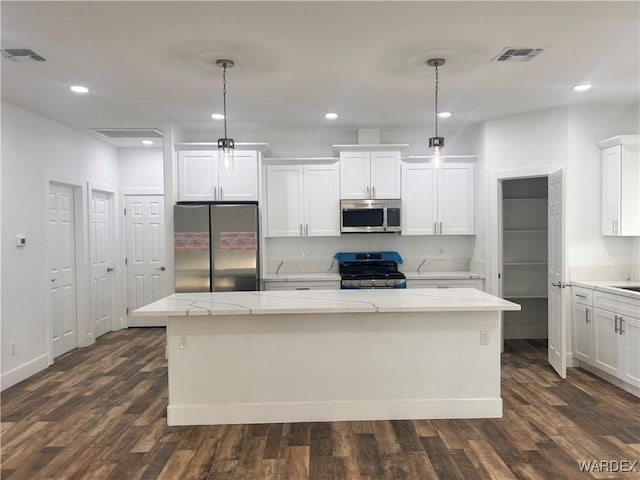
x=611, y=169
x=582, y=332
x=322, y=200
x=630, y=362
x=284, y=201
x=240, y=184
x=355, y=175
x=197, y=175
x=457, y=199
x=385, y=175
x=419, y=200
x=607, y=342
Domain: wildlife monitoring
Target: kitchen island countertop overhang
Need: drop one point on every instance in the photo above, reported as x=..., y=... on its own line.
x=331, y=355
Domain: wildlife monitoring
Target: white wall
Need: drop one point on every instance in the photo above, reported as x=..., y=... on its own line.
x=140, y=168
x=33, y=150
x=588, y=125
x=544, y=141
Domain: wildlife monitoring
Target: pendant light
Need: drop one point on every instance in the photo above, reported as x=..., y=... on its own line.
x=436, y=143
x=225, y=145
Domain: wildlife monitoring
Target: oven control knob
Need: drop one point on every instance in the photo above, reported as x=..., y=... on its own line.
x=352, y=283
x=396, y=282
x=359, y=283
x=373, y=282
x=388, y=282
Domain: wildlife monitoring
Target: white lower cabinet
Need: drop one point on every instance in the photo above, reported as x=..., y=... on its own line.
x=582, y=324
x=303, y=285
x=476, y=283
x=581, y=317
x=607, y=342
x=606, y=333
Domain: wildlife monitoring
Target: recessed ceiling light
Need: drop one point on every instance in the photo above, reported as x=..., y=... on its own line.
x=147, y=142
x=330, y=116
x=582, y=87
x=217, y=116
x=79, y=89
x=444, y=114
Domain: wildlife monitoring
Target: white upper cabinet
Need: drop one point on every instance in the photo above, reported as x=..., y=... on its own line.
x=365, y=175
x=303, y=200
x=620, y=180
x=202, y=178
x=438, y=202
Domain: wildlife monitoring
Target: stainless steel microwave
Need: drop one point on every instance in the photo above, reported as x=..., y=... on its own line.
x=369, y=216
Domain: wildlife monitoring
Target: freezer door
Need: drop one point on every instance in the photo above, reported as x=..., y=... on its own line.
x=234, y=256
x=191, y=246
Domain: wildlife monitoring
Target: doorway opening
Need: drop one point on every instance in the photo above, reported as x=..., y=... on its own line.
x=525, y=256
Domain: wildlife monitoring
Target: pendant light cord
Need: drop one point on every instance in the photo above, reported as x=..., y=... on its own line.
x=224, y=96
x=436, y=113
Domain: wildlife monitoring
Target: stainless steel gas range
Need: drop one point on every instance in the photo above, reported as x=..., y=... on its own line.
x=370, y=270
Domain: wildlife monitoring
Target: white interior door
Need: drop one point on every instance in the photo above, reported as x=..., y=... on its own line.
x=61, y=255
x=557, y=322
x=101, y=235
x=145, y=255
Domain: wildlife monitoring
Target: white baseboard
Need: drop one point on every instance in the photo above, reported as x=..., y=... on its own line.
x=633, y=390
x=218, y=414
x=23, y=372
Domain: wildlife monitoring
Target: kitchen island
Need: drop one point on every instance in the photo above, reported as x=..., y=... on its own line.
x=330, y=355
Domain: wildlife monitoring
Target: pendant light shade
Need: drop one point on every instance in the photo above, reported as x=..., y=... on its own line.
x=436, y=143
x=226, y=144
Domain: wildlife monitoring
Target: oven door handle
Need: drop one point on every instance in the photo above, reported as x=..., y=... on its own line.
x=384, y=218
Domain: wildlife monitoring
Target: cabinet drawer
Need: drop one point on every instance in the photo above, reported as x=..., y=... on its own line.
x=619, y=304
x=471, y=283
x=582, y=295
x=302, y=285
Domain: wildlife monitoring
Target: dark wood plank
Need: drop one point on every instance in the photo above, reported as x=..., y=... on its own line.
x=100, y=413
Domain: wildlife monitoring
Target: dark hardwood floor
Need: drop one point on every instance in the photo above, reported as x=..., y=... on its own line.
x=99, y=413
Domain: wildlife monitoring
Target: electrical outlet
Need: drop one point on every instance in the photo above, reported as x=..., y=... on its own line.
x=440, y=250
x=12, y=348
x=183, y=343
x=484, y=337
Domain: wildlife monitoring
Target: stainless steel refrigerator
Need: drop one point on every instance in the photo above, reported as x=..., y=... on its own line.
x=216, y=247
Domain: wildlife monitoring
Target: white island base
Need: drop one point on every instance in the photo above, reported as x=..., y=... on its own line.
x=300, y=356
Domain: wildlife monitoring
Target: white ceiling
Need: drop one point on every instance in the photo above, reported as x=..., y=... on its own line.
x=147, y=62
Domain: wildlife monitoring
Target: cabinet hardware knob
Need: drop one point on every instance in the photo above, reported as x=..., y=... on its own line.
x=109, y=269
x=373, y=192
x=162, y=268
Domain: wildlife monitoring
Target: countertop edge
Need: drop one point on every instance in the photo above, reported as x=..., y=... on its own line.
x=606, y=286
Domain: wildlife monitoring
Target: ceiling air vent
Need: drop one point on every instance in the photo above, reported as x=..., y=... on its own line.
x=511, y=54
x=22, y=55
x=129, y=132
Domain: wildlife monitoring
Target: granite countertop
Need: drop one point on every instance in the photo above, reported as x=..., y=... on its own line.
x=609, y=286
x=326, y=301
